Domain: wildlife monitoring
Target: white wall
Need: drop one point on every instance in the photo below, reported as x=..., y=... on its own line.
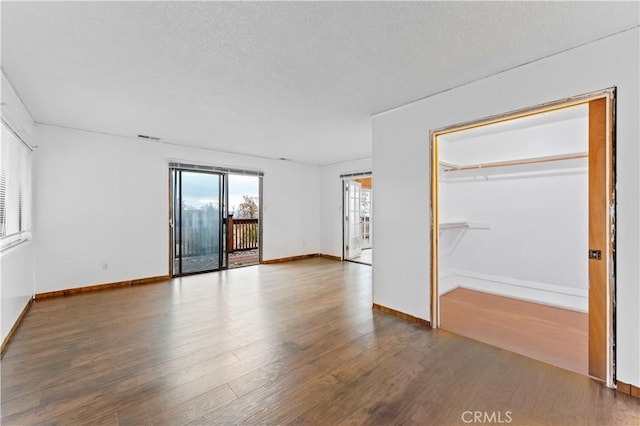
x=104, y=199
x=400, y=163
x=558, y=138
x=537, y=235
x=17, y=283
x=331, y=203
x=16, y=264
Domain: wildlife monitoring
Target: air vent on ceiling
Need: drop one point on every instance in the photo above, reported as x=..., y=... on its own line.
x=153, y=138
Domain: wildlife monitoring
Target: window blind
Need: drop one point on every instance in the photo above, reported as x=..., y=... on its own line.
x=15, y=189
x=355, y=175
x=205, y=168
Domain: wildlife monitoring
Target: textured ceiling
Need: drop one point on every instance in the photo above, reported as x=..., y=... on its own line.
x=272, y=79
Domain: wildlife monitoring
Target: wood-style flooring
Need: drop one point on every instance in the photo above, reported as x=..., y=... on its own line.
x=366, y=257
x=291, y=343
x=546, y=333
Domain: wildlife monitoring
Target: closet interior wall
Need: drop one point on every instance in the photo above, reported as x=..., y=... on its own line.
x=519, y=231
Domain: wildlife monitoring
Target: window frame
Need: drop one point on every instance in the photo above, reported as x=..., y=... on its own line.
x=21, y=173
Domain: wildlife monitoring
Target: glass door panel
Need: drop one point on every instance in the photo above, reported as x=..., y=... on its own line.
x=365, y=217
x=197, y=219
x=352, y=227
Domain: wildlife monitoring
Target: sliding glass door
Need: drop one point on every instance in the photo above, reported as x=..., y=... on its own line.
x=197, y=219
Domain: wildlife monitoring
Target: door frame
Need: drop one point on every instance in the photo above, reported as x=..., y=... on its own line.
x=224, y=208
x=351, y=188
x=344, y=178
x=609, y=257
x=174, y=172
x=260, y=178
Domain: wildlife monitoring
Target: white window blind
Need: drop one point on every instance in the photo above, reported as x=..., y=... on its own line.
x=206, y=168
x=15, y=189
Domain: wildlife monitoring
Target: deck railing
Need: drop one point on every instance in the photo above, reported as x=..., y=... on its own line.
x=242, y=234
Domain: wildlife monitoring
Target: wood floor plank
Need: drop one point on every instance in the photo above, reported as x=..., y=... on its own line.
x=293, y=343
x=546, y=333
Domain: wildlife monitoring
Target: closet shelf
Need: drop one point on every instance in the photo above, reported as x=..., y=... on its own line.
x=442, y=226
x=451, y=167
x=451, y=225
x=461, y=227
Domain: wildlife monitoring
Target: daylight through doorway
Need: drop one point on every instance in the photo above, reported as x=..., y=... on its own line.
x=215, y=218
x=358, y=223
x=243, y=231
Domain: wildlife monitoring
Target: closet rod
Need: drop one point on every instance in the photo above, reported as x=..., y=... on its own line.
x=518, y=162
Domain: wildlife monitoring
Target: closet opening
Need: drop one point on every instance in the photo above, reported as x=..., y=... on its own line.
x=523, y=232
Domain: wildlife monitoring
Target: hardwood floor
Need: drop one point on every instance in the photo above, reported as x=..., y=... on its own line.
x=366, y=257
x=294, y=343
x=557, y=336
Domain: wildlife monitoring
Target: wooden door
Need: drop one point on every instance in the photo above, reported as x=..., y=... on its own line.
x=600, y=251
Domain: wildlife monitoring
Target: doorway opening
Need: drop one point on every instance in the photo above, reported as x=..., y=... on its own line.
x=523, y=217
x=357, y=236
x=215, y=219
x=243, y=218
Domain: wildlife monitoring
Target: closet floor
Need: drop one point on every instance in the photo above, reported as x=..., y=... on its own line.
x=553, y=335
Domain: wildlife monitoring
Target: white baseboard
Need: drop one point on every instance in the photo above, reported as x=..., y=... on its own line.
x=575, y=299
x=447, y=282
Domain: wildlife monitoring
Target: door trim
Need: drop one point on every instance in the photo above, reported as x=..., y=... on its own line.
x=344, y=180
x=609, y=95
x=224, y=172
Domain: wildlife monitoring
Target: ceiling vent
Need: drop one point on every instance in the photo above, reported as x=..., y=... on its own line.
x=153, y=138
